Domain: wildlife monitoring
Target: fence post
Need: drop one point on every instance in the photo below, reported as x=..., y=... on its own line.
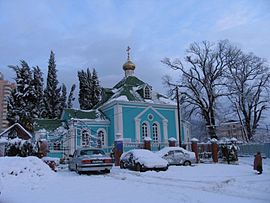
x=214, y=150
x=172, y=142
x=147, y=143
x=194, y=148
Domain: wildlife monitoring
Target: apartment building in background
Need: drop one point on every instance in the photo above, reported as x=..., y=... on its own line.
x=5, y=90
x=230, y=129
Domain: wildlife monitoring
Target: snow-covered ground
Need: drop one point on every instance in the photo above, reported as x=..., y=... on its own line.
x=27, y=180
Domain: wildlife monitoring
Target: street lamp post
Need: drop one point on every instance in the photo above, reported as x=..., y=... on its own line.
x=178, y=116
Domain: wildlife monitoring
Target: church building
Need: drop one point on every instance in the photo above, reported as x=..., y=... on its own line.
x=131, y=110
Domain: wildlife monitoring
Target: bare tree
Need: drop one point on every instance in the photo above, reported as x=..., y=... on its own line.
x=203, y=80
x=248, y=83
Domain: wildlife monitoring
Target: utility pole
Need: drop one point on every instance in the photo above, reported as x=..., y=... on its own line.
x=178, y=116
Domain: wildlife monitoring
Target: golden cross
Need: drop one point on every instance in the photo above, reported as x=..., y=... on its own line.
x=128, y=52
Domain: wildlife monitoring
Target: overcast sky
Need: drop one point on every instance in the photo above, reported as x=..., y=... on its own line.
x=96, y=34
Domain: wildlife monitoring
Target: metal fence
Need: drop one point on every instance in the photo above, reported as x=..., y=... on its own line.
x=140, y=145
x=252, y=149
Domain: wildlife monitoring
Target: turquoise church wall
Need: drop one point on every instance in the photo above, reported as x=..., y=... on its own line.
x=169, y=114
x=132, y=111
x=129, y=113
x=93, y=129
x=156, y=118
x=110, y=115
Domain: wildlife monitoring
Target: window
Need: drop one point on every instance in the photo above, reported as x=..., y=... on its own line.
x=150, y=117
x=101, y=139
x=144, y=131
x=56, y=145
x=147, y=92
x=85, y=138
x=155, y=132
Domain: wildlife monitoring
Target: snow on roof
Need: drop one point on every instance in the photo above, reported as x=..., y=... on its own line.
x=3, y=140
x=120, y=98
x=167, y=101
x=130, y=89
x=14, y=125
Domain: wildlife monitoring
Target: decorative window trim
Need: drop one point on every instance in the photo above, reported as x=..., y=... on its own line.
x=145, y=131
x=150, y=117
x=156, y=132
x=104, y=140
x=57, y=145
x=85, y=143
x=147, y=92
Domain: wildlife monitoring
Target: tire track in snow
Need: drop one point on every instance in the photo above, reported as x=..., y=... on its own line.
x=205, y=186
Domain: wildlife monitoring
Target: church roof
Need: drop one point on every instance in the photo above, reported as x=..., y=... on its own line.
x=83, y=114
x=131, y=89
x=48, y=124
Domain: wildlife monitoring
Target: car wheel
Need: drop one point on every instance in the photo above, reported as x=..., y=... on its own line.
x=107, y=171
x=138, y=167
x=187, y=163
x=77, y=171
x=122, y=165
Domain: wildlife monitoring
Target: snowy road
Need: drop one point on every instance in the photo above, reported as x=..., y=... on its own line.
x=200, y=183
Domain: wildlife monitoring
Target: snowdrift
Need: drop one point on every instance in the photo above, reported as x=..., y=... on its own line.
x=23, y=166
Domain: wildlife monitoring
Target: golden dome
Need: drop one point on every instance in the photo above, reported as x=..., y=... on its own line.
x=129, y=65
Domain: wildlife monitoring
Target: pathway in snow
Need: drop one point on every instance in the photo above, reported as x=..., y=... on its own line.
x=201, y=183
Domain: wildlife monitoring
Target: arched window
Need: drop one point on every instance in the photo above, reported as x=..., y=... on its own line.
x=85, y=138
x=147, y=92
x=101, y=139
x=155, y=131
x=144, y=131
x=56, y=145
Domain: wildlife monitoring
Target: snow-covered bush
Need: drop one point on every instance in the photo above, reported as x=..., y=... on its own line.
x=19, y=147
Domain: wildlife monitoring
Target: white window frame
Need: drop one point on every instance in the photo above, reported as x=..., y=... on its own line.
x=85, y=142
x=147, y=92
x=156, y=132
x=104, y=136
x=145, y=130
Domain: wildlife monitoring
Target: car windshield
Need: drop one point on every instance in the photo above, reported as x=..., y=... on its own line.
x=92, y=152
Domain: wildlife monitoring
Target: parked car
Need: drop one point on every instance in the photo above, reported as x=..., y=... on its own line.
x=90, y=159
x=142, y=160
x=177, y=156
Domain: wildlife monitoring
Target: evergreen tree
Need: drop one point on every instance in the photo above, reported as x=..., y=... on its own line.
x=90, y=90
x=84, y=85
x=38, y=91
x=95, y=89
x=22, y=100
x=52, y=97
x=63, y=98
x=71, y=97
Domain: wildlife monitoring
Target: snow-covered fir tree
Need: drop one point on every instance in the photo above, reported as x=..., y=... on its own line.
x=63, y=98
x=90, y=90
x=21, y=105
x=71, y=97
x=84, y=85
x=38, y=91
x=95, y=89
x=52, y=93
